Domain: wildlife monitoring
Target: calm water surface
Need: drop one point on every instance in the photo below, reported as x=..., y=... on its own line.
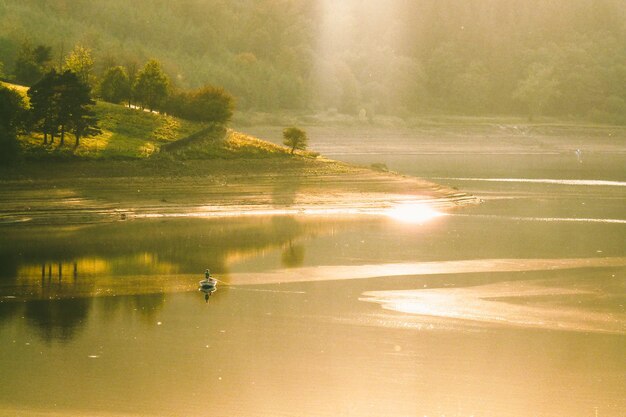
x=511, y=308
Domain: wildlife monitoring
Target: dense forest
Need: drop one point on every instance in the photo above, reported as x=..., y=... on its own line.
x=564, y=58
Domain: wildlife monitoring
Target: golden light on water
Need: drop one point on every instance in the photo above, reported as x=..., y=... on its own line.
x=413, y=213
x=499, y=304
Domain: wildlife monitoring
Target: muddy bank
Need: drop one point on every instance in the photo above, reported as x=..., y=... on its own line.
x=96, y=191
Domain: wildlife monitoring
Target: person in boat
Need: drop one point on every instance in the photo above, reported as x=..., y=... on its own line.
x=208, y=279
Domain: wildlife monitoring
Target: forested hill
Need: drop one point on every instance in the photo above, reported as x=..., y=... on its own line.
x=562, y=57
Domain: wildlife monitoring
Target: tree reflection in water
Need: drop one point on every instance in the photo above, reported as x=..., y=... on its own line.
x=207, y=292
x=292, y=256
x=147, y=305
x=9, y=309
x=53, y=275
x=58, y=319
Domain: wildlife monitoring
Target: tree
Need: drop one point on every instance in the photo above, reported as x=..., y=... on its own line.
x=292, y=256
x=150, y=89
x=75, y=105
x=211, y=104
x=80, y=62
x=207, y=104
x=44, y=99
x=115, y=86
x=295, y=138
x=84, y=124
x=12, y=112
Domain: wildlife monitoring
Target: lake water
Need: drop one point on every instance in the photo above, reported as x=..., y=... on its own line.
x=514, y=307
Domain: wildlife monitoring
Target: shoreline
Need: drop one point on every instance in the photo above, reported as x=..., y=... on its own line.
x=79, y=192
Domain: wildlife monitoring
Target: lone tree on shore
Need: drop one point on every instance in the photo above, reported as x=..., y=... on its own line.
x=295, y=138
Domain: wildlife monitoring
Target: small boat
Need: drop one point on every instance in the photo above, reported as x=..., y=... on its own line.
x=208, y=283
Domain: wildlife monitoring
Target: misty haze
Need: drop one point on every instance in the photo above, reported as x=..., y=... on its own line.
x=324, y=208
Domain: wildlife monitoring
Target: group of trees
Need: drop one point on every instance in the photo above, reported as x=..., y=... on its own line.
x=148, y=88
x=60, y=103
x=33, y=62
x=563, y=57
x=152, y=89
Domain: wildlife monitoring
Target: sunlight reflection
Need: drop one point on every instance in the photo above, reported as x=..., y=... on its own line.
x=519, y=304
x=413, y=213
x=433, y=305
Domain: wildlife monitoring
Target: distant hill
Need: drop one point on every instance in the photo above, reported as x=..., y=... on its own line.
x=397, y=57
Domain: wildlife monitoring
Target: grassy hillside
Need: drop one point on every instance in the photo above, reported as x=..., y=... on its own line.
x=134, y=134
x=126, y=133
x=217, y=143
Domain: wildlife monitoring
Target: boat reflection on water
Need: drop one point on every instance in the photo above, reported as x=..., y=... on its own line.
x=207, y=292
x=208, y=286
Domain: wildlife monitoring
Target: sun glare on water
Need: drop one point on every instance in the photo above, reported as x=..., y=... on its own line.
x=413, y=213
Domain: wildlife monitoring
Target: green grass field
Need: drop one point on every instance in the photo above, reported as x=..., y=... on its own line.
x=126, y=133
x=133, y=133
